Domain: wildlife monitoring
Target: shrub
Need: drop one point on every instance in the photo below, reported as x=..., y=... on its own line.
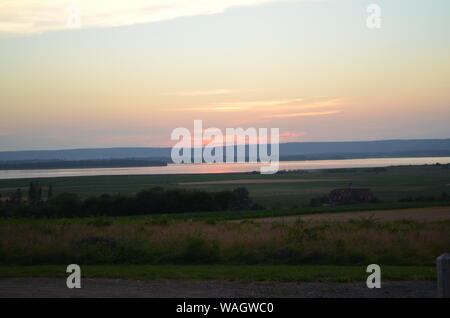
x=197, y=250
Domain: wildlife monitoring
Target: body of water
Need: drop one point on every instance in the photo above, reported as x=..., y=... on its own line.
x=220, y=167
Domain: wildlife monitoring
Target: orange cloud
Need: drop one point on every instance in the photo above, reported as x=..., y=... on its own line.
x=265, y=105
x=213, y=109
x=202, y=93
x=324, y=103
x=291, y=136
x=306, y=114
x=259, y=103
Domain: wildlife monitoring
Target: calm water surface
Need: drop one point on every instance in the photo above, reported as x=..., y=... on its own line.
x=220, y=167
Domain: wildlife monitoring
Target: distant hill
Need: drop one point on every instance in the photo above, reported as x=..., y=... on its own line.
x=288, y=151
x=80, y=164
x=86, y=154
x=380, y=146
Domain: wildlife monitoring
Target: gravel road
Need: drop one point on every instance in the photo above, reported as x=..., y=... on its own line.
x=93, y=287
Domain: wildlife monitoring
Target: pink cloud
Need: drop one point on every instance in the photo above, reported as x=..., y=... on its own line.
x=304, y=114
x=291, y=136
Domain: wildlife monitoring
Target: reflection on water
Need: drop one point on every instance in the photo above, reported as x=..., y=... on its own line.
x=220, y=167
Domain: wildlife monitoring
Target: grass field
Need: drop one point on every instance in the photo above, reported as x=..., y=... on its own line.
x=306, y=211
x=251, y=273
x=428, y=214
x=286, y=190
x=147, y=241
x=286, y=241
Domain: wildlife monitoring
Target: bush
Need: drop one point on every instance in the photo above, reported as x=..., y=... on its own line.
x=199, y=251
x=316, y=202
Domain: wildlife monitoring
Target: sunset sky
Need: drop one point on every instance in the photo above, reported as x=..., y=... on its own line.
x=132, y=72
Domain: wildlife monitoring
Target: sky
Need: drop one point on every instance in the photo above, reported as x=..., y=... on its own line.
x=126, y=73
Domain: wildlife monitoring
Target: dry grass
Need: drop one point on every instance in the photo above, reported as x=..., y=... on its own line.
x=358, y=241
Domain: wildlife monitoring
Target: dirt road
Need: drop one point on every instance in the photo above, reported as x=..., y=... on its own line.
x=91, y=287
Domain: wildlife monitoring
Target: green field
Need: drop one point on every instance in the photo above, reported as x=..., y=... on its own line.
x=229, y=244
x=283, y=273
x=149, y=241
x=286, y=190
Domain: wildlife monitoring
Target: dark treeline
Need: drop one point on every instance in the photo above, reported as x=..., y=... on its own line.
x=67, y=164
x=152, y=201
x=34, y=195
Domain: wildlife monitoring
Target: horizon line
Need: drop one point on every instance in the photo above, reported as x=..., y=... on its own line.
x=168, y=147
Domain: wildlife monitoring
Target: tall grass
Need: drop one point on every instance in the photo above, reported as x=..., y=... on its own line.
x=165, y=241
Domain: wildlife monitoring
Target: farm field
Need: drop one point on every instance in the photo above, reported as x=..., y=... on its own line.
x=284, y=190
x=287, y=241
x=147, y=240
x=413, y=214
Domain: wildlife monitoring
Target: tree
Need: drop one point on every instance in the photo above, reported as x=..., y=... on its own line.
x=19, y=195
x=34, y=193
x=50, y=192
x=242, y=200
x=16, y=197
x=39, y=193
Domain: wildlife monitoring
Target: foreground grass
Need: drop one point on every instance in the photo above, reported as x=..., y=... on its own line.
x=106, y=241
x=246, y=273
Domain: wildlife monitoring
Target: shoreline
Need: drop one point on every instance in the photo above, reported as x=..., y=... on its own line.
x=223, y=168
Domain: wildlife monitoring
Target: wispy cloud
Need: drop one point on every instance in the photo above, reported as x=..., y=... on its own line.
x=305, y=114
x=240, y=105
x=211, y=92
x=323, y=103
x=36, y=16
x=221, y=138
x=291, y=135
x=212, y=109
x=265, y=106
x=259, y=103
